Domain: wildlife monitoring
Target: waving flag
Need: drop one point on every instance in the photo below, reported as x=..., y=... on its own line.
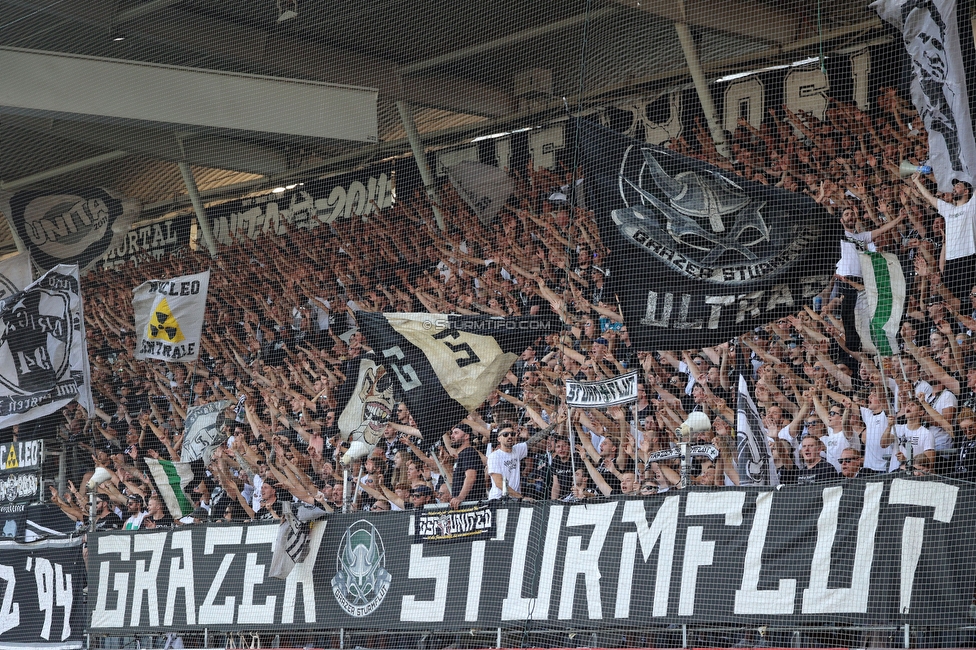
x=169, y=317
x=879, y=311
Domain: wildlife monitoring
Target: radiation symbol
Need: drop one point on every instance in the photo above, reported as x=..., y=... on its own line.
x=163, y=326
x=12, y=458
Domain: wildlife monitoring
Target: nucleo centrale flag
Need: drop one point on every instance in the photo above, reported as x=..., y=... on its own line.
x=169, y=317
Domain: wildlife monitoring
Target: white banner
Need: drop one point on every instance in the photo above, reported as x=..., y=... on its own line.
x=43, y=356
x=599, y=394
x=169, y=317
x=931, y=36
x=15, y=274
x=202, y=431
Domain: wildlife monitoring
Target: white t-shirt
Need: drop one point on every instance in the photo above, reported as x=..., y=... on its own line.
x=921, y=440
x=875, y=426
x=849, y=263
x=506, y=464
x=960, y=222
x=943, y=400
x=835, y=442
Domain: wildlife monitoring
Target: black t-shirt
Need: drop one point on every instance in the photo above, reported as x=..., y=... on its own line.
x=110, y=522
x=166, y=521
x=822, y=472
x=265, y=513
x=467, y=459
x=611, y=479
x=563, y=471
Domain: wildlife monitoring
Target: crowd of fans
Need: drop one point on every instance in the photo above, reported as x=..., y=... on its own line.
x=279, y=331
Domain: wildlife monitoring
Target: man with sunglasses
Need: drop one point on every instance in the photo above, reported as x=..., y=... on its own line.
x=504, y=465
x=851, y=464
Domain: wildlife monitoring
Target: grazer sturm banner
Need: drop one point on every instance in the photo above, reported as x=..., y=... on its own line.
x=42, y=604
x=700, y=255
x=43, y=352
x=169, y=317
x=602, y=393
x=930, y=33
x=447, y=365
x=305, y=207
x=72, y=227
x=895, y=548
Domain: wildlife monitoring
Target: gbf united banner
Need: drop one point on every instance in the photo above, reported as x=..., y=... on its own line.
x=169, y=316
x=447, y=365
x=700, y=255
x=43, y=354
x=930, y=32
x=73, y=227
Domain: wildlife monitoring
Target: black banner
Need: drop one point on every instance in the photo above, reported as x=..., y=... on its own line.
x=151, y=242
x=41, y=594
x=886, y=551
x=454, y=525
x=304, y=207
x=700, y=255
x=73, y=227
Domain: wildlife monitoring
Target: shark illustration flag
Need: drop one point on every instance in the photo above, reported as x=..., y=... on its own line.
x=443, y=365
x=700, y=255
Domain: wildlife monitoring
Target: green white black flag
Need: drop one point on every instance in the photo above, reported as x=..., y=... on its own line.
x=879, y=311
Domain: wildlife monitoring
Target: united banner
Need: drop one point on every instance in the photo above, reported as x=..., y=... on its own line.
x=892, y=549
x=75, y=227
x=42, y=593
x=447, y=365
x=43, y=352
x=169, y=316
x=930, y=33
x=700, y=255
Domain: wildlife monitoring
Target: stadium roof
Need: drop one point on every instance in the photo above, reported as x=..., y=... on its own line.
x=465, y=68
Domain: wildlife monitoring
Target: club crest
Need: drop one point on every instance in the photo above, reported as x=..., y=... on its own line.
x=361, y=581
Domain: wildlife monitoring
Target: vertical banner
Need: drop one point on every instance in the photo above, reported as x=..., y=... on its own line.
x=43, y=354
x=930, y=32
x=169, y=317
x=755, y=459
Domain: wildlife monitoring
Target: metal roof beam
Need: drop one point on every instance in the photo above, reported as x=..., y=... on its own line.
x=743, y=17
x=298, y=58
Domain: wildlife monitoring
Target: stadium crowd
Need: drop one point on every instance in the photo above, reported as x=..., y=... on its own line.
x=280, y=332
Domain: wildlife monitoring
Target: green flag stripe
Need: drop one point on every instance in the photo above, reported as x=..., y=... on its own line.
x=175, y=481
x=882, y=312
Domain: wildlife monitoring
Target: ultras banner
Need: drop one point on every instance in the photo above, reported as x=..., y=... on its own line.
x=869, y=552
x=41, y=594
x=700, y=255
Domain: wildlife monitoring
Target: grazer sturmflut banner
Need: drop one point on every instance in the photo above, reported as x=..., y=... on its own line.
x=73, y=227
x=169, y=317
x=930, y=33
x=43, y=352
x=888, y=550
x=447, y=365
x=701, y=255
x=42, y=604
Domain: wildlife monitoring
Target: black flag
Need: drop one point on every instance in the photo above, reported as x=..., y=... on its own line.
x=447, y=365
x=700, y=255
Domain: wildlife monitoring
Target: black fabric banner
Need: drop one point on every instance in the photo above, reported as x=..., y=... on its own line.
x=41, y=594
x=699, y=255
x=446, y=365
x=73, y=227
x=885, y=551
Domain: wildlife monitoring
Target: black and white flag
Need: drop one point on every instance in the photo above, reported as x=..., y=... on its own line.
x=699, y=255
x=754, y=461
x=930, y=33
x=202, y=431
x=15, y=274
x=73, y=227
x=43, y=353
x=447, y=365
